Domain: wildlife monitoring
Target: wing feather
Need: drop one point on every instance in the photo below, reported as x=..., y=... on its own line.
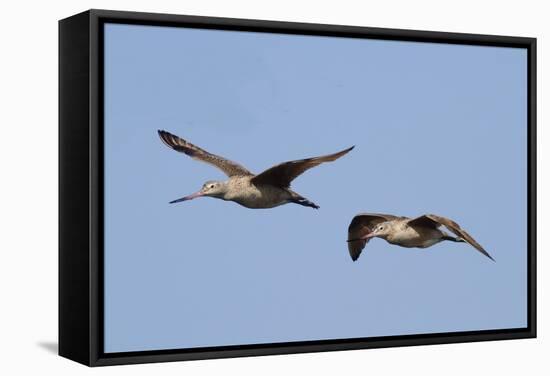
x=230, y=168
x=282, y=174
x=434, y=221
x=361, y=225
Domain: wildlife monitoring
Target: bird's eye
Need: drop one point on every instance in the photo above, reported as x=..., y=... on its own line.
x=212, y=186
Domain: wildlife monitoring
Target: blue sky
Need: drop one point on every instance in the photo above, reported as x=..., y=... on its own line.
x=438, y=129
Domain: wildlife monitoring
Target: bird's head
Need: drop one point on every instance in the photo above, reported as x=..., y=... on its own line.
x=213, y=188
x=381, y=230
x=209, y=189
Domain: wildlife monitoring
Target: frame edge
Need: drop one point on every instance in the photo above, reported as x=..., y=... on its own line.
x=74, y=261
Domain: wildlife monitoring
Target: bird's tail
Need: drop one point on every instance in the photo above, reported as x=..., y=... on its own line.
x=304, y=202
x=453, y=239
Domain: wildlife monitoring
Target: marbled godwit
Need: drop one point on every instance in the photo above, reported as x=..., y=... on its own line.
x=266, y=190
x=420, y=232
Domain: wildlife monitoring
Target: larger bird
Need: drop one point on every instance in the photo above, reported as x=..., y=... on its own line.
x=419, y=232
x=268, y=189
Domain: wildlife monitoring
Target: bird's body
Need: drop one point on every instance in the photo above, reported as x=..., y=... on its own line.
x=241, y=190
x=413, y=237
x=266, y=190
x=420, y=232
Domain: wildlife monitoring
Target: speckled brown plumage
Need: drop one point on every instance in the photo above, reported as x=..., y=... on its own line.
x=268, y=189
x=419, y=232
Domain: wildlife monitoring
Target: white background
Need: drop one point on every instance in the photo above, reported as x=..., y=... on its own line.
x=28, y=185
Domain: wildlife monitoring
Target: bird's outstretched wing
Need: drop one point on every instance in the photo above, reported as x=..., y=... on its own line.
x=282, y=174
x=434, y=221
x=230, y=168
x=361, y=225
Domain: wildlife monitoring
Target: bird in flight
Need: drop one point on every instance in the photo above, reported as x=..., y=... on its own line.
x=268, y=189
x=419, y=232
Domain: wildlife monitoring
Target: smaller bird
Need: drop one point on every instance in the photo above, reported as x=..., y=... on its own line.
x=419, y=232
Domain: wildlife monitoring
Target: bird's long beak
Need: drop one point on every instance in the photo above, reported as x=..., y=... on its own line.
x=190, y=197
x=366, y=237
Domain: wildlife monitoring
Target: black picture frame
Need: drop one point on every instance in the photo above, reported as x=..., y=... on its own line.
x=81, y=181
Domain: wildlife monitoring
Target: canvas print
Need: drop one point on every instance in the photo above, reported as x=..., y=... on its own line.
x=344, y=188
